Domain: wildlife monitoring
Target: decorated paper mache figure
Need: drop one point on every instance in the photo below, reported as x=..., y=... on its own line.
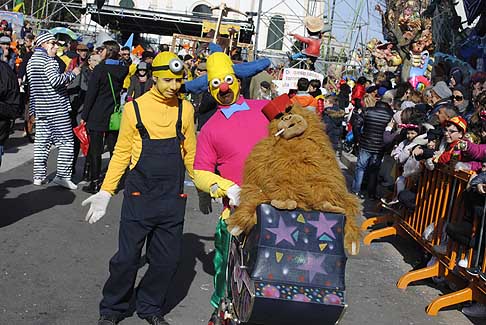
x=295, y=167
x=314, y=27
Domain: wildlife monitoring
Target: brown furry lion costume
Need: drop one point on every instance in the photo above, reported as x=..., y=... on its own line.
x=295, y=169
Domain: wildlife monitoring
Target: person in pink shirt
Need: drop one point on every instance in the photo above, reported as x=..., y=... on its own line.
x=223, y=144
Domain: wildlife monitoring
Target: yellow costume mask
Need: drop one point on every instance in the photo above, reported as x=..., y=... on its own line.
x=223, y=85
x=167, y=65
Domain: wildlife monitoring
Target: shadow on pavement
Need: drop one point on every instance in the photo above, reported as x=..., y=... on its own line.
x=27, y=204
x=192, y=250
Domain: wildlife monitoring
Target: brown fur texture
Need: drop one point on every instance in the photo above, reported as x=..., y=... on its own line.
x=300, y=172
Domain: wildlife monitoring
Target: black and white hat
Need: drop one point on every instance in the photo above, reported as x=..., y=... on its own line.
x=42, y=38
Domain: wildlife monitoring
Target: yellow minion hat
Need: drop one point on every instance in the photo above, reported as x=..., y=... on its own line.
x=219, y=65
x=167, y=65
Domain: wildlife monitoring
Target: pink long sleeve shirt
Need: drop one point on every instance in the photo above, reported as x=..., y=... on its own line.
x=225, y=143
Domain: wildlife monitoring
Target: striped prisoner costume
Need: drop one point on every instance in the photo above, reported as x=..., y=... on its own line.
x=49, y=103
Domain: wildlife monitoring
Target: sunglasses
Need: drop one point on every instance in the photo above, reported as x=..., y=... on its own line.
x=458, y=98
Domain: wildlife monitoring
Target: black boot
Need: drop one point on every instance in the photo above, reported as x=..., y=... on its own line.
x=86, y=172
x=93, y=187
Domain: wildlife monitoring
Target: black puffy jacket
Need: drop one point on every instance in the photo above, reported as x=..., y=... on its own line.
x=9, y=100
x=375, y=121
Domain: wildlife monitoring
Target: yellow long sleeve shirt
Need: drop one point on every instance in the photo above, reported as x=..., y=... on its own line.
x=131, y=71
x=159, y=116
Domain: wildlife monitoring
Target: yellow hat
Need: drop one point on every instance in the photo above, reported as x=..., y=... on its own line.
x=219, y=65
x=167, y=65
x=223, y=84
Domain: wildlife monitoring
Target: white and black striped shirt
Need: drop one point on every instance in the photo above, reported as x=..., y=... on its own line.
x=48, y=93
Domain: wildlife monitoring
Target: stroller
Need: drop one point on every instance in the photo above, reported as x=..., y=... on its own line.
x=291, y=278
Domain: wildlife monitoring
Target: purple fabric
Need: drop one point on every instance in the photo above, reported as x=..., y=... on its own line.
x=475, y=155
x=476, y=151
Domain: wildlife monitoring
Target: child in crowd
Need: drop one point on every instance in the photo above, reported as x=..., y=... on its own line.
x=402, y=154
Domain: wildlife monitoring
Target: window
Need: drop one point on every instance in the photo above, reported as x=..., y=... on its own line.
x=202, y=10
x=276, y=33
x=127, y=4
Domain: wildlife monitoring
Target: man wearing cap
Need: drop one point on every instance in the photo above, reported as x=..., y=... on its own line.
x=157, y=142
x=7, y=55
x=140, y=82
x=80, y=58
x=147, y=57
x=49, y=103
x=440, y=95
x=224, y=143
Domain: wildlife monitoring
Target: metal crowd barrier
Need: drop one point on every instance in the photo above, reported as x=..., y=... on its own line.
x=438, y=202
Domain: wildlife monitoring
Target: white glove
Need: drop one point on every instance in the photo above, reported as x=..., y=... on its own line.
x=99, y=203
x=233, y=194
x=429, y=164
x=462, y=166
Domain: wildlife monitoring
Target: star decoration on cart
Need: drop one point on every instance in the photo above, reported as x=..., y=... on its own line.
x=313, y=264
x=283, y=232
x=324, y=226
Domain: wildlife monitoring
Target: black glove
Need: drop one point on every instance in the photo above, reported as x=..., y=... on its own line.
x=204, y=202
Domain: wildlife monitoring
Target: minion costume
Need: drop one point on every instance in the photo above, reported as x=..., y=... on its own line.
x=224, y=143
x=157, y=141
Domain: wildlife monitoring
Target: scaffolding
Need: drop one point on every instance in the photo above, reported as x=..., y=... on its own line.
x=349, y=19
x=346, y=32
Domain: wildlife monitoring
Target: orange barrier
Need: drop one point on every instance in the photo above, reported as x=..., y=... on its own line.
x=438, y=202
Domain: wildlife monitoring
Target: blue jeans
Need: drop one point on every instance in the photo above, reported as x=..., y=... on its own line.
x=298, y=55
x=367, y=161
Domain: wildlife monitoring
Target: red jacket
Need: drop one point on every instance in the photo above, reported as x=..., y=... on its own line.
x=358, y=93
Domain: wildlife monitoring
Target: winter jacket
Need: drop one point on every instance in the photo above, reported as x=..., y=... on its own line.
x=99, y=103
x=9, y=100
x=375, y=121
x=357, y=94
x=305, y=100
x=137, y=89
x=480, y=179
x=476, y=151
x=333, y=119
x=357, y=121
x=402, y=152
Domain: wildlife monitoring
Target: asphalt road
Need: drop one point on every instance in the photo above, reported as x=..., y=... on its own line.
x=53, y=264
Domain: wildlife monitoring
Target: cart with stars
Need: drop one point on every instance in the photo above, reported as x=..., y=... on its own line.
x=288, y=270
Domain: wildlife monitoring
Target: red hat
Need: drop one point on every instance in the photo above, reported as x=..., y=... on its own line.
x=276, y=106
x=459, y=122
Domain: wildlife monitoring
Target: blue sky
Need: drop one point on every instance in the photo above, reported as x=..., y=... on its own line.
x=345, y=11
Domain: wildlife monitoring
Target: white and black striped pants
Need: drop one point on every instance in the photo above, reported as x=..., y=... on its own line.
x=55, y=130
